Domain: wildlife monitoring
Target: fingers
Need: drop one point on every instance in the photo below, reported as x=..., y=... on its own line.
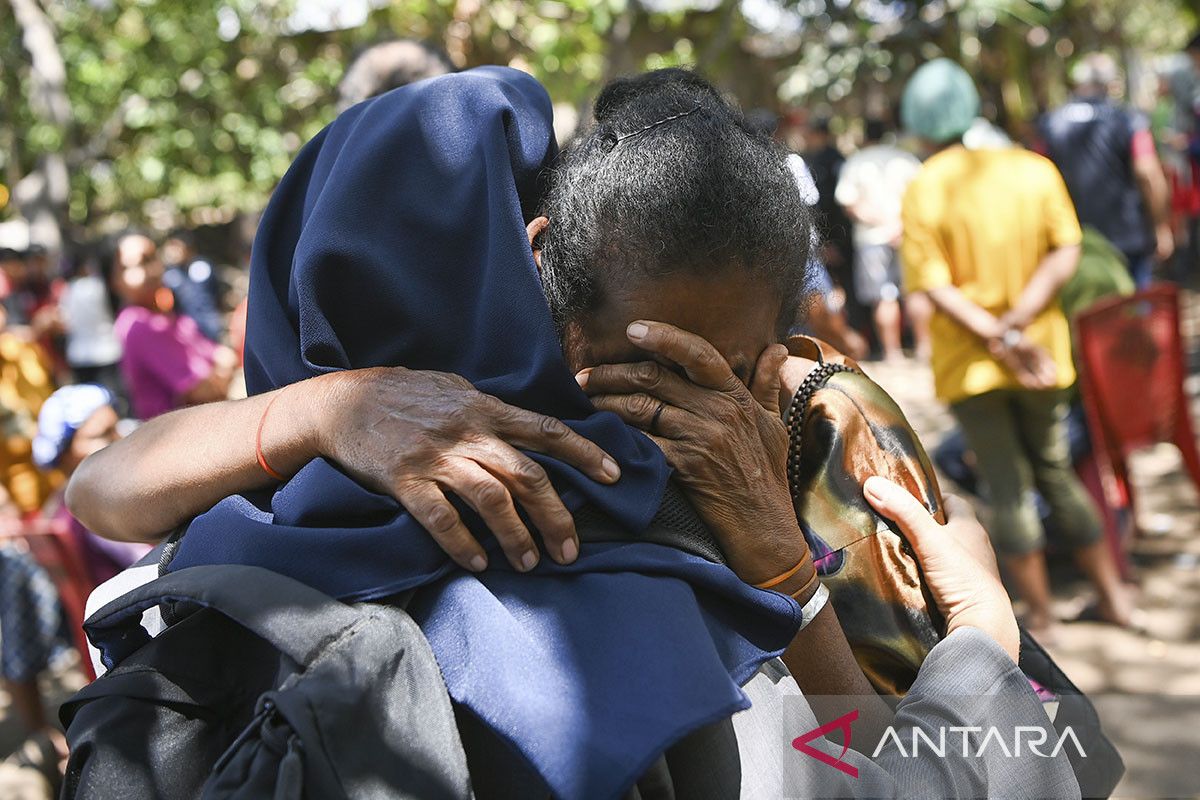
x=532, y=431
x=897, y=504
x=484, y=492
x=643, y=411
x=969, y=534
x=644, y=377
x=429, y=506
x=669, y=448
x=530, y=485
x=958, y=509
x=699, y=359
x=767, y=382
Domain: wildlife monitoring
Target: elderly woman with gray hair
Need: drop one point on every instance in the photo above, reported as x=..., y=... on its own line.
x=597, y=364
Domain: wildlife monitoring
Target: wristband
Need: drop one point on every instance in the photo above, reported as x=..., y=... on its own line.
x=809, y=610
x=258, y=451
x=781, y=578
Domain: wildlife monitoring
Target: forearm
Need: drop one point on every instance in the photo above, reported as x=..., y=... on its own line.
x=824, y=667
x=182, y=463
x=819, y=657
x=974, y=318
x=1152, y=184
x=1055, y=270
x=212, y=388
x=968, y=687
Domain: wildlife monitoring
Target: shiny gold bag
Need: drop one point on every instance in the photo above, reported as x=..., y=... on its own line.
x=844, y=428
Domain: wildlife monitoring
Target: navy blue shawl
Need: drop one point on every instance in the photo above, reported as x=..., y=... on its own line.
x=397, y=238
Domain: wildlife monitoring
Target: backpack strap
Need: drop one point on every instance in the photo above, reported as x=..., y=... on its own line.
x=297, y=619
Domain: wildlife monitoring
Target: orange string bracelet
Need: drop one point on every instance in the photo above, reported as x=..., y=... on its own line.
x=807, y=588
x=780, y=579
x=258, y=451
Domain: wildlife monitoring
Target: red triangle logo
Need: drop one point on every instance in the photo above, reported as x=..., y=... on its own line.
x=842, y=723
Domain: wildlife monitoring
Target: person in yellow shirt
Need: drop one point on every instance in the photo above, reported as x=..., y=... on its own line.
x=25, y=383
x=990, y=236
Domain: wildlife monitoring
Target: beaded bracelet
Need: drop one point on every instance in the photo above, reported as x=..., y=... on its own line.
x=794, y=418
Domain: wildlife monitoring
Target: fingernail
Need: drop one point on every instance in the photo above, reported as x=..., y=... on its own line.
x=570, y=551
x=529, y=560
x=478, y=564
x=611, y=470
x=876, y=487
x=582, y=376
x=637, y=330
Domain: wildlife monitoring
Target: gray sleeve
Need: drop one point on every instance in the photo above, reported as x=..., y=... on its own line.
x=999, y=742
x=967, y=688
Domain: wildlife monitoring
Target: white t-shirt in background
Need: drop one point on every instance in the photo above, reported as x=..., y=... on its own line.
x=91, y=341
x=872, y=183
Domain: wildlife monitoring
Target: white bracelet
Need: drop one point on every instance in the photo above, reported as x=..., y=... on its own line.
x=814, y=605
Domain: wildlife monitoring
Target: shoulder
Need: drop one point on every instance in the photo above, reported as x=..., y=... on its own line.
x=935, y=168
x=895, y=158
x=137, y=323
x=858, y=157
x=185, y=327
x=131, y=318
x=1031, y=159
x=1020, y=161
x=1135, y=119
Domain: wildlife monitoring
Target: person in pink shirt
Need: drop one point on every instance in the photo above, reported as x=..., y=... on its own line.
x=167, y=362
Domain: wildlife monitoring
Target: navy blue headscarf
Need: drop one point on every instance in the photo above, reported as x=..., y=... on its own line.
x=398, y=238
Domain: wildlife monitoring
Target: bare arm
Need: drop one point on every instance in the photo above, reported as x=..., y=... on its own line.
x=1031, y=364
x=1056, y=269
x=411, y=434
x=825, y=669
x=215, y=385
x=180, y=464
x=976, y=319
x=1152, y=183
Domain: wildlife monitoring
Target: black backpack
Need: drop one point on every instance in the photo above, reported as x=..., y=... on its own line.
x=263, y=687
x=1101, y=770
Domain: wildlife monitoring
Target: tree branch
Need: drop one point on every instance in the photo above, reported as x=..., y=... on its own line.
x=48, y=74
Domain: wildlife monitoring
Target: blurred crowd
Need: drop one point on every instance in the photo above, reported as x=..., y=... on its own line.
x=1132, y=176
x=136, y=326
x=89, y=346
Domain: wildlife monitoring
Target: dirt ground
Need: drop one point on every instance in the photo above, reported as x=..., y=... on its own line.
x=1146, y=683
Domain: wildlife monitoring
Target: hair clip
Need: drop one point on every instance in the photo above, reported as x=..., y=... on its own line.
x=662, y=121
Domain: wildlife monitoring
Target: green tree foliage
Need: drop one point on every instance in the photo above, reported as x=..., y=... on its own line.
x=850, y=53
x=175, y=105
x=193, y=109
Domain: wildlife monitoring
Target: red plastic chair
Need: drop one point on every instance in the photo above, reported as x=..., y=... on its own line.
x=53, y=548
x=1132, y=370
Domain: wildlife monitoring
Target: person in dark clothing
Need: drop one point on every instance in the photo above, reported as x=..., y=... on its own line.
x=1107, y=157
x=825, y=162
x=193, y=282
